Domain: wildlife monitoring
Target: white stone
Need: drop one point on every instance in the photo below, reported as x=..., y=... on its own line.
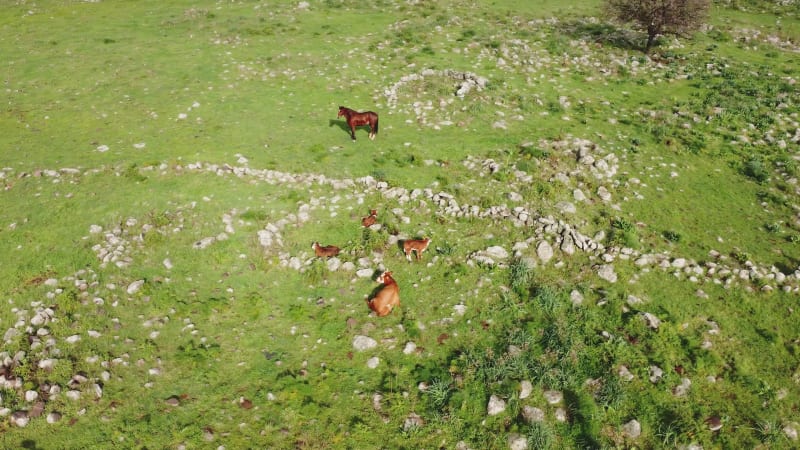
x=409, y=348
x=373, y=362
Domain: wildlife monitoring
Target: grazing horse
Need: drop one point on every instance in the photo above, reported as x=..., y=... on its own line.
x=370, y=220
x=357, y=119
x=387, y=298
x=415, y=245
x=326, y=251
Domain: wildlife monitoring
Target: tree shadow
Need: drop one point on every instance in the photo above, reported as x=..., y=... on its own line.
x=605, y=34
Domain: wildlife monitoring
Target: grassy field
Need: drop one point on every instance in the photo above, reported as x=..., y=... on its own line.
x=615, y=237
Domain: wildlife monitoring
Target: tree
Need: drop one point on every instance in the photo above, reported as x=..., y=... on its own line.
x=659, y=17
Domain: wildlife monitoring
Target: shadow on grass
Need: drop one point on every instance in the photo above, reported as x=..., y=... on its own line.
x=342, y=124
x=581, y=420
x=605, y=34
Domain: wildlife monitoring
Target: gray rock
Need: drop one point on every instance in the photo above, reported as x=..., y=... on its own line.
x=632, y=429
x=496, y=405
x=361, y=343
x=532, y=414
x=413, y=421
x=544, y=251
x=566, y=208
x=790, y=430
x=525, y=389
x=606, y=272
x=517, y=442
x=651, y=320
x=135, y=287
x=19, y=419
x=364, y=273
x=553, y=397
x=655, y=374
x=334, y=264
x=373, y=362
x=496, y=252
x=576, y=297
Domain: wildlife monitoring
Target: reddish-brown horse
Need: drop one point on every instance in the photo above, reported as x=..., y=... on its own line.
x=357, y=119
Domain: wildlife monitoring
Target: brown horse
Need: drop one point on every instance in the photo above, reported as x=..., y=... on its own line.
x=357, y=119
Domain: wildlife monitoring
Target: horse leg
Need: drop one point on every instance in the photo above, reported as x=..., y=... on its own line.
x=371, y=132
x=353, y=132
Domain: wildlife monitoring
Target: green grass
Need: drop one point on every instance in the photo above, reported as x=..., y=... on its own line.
x=256, y=353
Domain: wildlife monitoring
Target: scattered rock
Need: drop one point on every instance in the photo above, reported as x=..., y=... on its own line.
x=19, y=419
x=362, y=343
x=651, y=320
x=790, y=430
x=525, y=389
x=496, y=405
x=553, y=397
x=544, y=251
x=606, y=272
x=373, y=362
x=134, y=287
x=632, y=429
x=517, y=442
x=655, y=374
x=532, y=414
x=413, y=421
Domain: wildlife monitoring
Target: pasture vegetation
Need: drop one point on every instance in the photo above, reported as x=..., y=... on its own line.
x=129, y=129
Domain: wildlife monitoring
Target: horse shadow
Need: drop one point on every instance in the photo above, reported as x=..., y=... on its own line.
x=341, y=124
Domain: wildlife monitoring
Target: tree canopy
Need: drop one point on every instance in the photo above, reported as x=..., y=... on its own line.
x=659, y=17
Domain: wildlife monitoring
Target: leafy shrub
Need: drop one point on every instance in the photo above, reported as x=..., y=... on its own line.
x=438, y=393
x=540, y=436
x=773, y=227
x=672, y=236
x=623, y=233
x=519, y=274
x=754, y=168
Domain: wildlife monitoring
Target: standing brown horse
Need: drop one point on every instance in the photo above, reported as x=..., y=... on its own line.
x=357, y=119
